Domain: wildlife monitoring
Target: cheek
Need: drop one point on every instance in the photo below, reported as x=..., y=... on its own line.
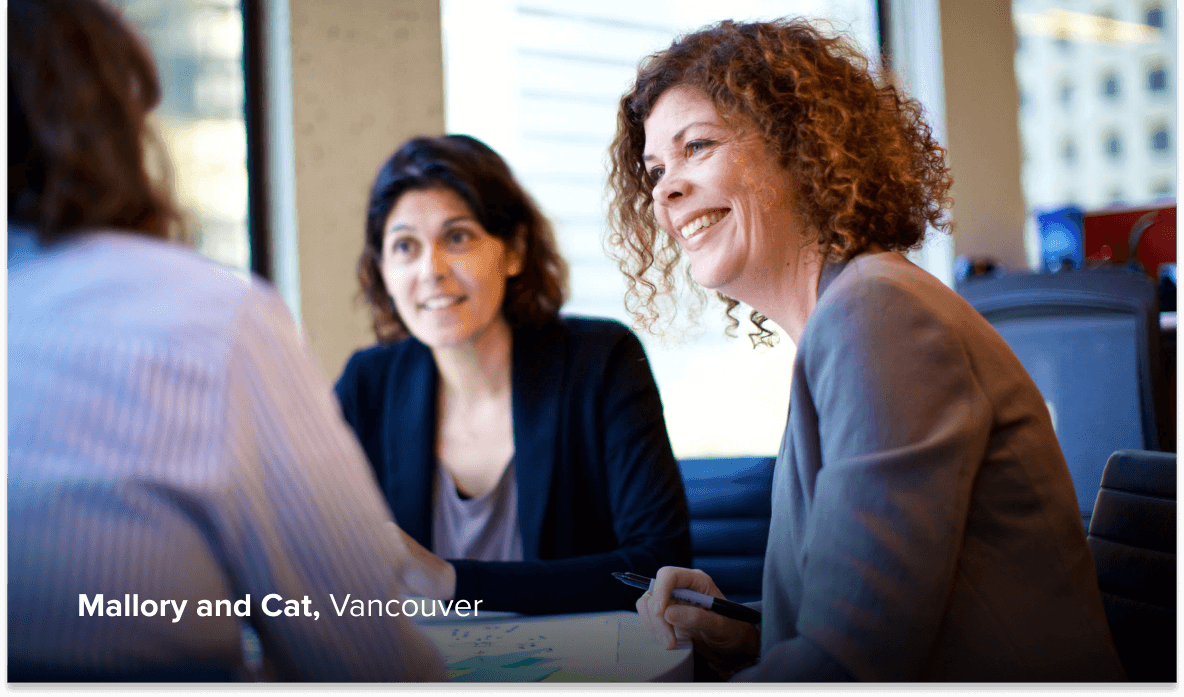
x=395, y=283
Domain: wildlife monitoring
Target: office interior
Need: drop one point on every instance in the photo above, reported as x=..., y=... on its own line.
x=329, y=89
x=277, y=115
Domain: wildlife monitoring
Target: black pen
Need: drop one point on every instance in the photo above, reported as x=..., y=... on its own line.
x=719, y=606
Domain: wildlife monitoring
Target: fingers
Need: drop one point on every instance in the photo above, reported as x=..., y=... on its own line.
x=659, y=630
x=653, y=605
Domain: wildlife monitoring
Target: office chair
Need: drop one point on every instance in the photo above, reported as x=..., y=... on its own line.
x=730, y=504
x=1089, y=339
x=1133, y=539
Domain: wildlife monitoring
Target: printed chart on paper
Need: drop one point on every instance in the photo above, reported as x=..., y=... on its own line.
x=524, y=650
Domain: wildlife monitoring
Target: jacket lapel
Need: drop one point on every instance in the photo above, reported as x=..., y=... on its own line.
x=536, y=379
x=411, y=464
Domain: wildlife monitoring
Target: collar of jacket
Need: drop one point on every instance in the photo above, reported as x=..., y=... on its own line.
x=537, y=367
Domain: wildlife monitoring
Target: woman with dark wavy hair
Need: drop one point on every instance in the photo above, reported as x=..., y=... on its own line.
x=523, y=454
x=924, y=523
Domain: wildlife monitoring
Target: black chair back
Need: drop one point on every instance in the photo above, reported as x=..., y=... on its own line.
x=1133, y=539
x=1090, y=341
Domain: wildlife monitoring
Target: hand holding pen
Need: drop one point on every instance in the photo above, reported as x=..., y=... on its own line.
x=667, y=621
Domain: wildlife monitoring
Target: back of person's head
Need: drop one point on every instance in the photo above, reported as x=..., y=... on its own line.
x=81, y=82
x=482, y=179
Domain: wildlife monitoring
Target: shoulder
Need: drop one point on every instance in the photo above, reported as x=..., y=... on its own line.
x=111, y=285
x=594, y=329
x=877, y=292
x=376, y=362
x=881, y=309
x=600, y=340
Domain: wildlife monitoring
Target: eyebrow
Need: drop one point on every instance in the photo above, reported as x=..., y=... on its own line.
x=398, y=227
x=678, y=137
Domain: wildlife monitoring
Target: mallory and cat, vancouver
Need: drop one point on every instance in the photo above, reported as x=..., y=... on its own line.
x=273, y=605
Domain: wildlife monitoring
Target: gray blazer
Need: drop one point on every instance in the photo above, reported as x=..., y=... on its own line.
x=924, y=522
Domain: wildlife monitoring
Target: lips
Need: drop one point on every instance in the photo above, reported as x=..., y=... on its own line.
x=702, y=222
x=440, y=302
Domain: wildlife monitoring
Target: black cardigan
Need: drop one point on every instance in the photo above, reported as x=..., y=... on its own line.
x=598, y=487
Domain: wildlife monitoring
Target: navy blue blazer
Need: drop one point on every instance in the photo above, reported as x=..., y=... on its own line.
x=598, y=486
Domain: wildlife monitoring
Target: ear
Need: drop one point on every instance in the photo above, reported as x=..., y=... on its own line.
x=516, y=252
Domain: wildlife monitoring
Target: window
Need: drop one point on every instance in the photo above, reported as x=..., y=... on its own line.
x=1113, y=145
x=1160, y=138
x=1111, y=85
x=556, y=73
x=1123, y=69
x=1157, y=79
x=1154, y=16
x=1065, y=95
x=1068, y=151
x=199, y=54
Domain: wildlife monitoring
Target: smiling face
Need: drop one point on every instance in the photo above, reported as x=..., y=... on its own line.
x=720, y=194
x=446, y=274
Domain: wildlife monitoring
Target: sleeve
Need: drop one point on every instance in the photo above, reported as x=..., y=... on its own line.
x=903, y=427
x=306, y=522
x=646, y=501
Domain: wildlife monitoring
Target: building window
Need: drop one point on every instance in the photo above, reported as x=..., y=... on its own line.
x=1069, y=151
x=1157, y=79
x=1065, y=95
x=1154, y=16
x=1159, y=139
x=198, y=48
x=1111, y=86
x=1114, y=144
x=1162, y=188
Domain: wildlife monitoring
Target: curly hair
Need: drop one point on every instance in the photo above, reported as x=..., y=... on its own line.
x=866, y=167
x=81, y=82
x=482, y=179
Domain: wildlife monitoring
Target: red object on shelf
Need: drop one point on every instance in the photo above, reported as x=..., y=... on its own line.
x=1108, y=233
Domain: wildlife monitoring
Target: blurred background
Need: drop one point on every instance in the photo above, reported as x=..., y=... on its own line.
x=276, y=115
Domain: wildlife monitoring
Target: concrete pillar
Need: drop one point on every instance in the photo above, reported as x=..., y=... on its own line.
x=366, y=75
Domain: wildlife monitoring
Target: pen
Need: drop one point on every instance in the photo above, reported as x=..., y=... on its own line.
x=719, y=606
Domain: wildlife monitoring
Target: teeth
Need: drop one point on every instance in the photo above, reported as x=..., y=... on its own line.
x=439, y=302
x=695, y=226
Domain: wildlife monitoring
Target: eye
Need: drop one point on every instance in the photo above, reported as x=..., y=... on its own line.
x=656, y=174
x=403, y=247
x=695, y=146
x=458, y=236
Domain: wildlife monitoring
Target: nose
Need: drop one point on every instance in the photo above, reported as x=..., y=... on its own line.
x=433, y=264
x=671, y=186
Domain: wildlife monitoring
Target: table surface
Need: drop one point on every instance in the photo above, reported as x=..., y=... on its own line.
x=573, y=651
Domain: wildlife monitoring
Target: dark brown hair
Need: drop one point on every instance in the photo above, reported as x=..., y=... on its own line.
x=483, y=180
x=866, y=167
x=81, y=82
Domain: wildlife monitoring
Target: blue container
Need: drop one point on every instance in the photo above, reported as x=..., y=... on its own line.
x=1062, y=234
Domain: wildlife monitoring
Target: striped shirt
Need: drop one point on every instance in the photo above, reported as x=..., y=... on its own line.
x=170, y=439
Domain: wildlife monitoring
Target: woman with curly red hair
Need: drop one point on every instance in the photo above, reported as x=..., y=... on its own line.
x=924, y=523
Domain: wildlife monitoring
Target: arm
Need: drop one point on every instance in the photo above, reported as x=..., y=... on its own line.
x=903, y=427
x=645, y=500
x=307, y=518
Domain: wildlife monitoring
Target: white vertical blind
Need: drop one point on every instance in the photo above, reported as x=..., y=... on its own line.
x=539, y=81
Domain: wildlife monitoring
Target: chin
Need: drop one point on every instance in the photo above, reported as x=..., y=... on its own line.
x=712, y=276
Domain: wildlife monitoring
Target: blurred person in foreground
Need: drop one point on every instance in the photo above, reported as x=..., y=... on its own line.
x=169, y=437
x=924, y=524
x=523, y=453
